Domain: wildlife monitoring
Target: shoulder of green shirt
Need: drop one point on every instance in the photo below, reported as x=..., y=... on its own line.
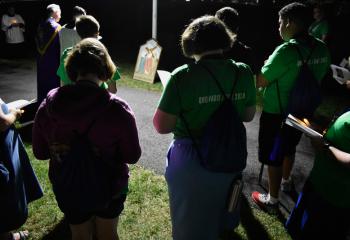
x=281, y=52
x=66, y=51
x=339, y=132
x=179, y=72
x=61, y=71
x=243, y=66
x=180, y=69
x=285, y=45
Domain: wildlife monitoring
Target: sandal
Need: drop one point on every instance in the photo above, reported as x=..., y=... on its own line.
x=23, y=235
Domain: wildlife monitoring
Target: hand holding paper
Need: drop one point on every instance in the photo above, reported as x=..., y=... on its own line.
x=18, y=104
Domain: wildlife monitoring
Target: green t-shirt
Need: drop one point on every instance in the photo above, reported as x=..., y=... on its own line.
x=61, y=71
x=194, y=93
x=318, y=29
x=330, y=178
x=284, y=65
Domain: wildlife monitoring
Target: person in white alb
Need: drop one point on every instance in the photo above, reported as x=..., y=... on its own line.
x=13, y=25
x=68, y=34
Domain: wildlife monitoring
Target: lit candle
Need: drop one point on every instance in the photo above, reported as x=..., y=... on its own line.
x=306, y=122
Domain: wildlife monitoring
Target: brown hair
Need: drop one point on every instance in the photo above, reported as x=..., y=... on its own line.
x=204, y=34
x=230, y=17
x=89, y=56
x=87, y=26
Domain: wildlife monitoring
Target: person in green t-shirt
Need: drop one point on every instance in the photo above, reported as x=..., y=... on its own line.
x=87, y=27
x=323, y=207
x=277, y=77
x=320, y=27
x=198, y=196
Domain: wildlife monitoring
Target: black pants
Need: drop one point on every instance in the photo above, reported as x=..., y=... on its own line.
x=270, y=130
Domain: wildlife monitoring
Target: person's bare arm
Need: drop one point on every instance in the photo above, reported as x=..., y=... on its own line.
x=333, y=152
x=341, y=156
x=164, y=122
x=261, y=81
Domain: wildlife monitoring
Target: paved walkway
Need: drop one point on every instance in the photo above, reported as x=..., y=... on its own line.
x=18, y=81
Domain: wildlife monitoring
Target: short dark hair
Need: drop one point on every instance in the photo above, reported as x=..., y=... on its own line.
x=204, y=34
x=77, y=11
x=297, y=13
x=89, y=56
x=87, y=26
x=230, y=17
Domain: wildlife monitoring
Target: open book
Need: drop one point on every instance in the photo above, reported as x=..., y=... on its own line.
x=19, y=103
x=164, y=76
x=302, y=125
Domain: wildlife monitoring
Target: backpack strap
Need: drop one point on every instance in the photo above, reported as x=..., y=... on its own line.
x=195, y=144
x=218, y=84
x=182, y=117
x=90, y=125
x=304, y=62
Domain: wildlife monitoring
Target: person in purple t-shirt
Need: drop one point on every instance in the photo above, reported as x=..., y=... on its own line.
x=72, y=109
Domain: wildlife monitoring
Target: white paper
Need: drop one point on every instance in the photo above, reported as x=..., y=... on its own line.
x=164, y=76
x=302, y=126
x=340, y=74
x=19, y=103
x=344, y=64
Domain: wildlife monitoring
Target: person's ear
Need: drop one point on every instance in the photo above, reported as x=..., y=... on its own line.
x=288, y=23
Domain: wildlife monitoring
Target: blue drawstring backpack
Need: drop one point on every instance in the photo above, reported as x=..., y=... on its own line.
x=223, y=145
x=305, y=95
x=80, y=175
x=304, y=98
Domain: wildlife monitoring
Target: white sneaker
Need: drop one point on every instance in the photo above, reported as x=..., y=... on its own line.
x=263, y=201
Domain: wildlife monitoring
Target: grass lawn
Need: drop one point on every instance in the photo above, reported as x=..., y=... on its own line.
x=146, y=213
x=127, y=70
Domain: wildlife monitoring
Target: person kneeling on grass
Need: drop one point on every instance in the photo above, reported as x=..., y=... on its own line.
x=83, y=114
x=323, y=208
x=18, y=183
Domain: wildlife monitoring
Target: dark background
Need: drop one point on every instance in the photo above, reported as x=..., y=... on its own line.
x=126, y=24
